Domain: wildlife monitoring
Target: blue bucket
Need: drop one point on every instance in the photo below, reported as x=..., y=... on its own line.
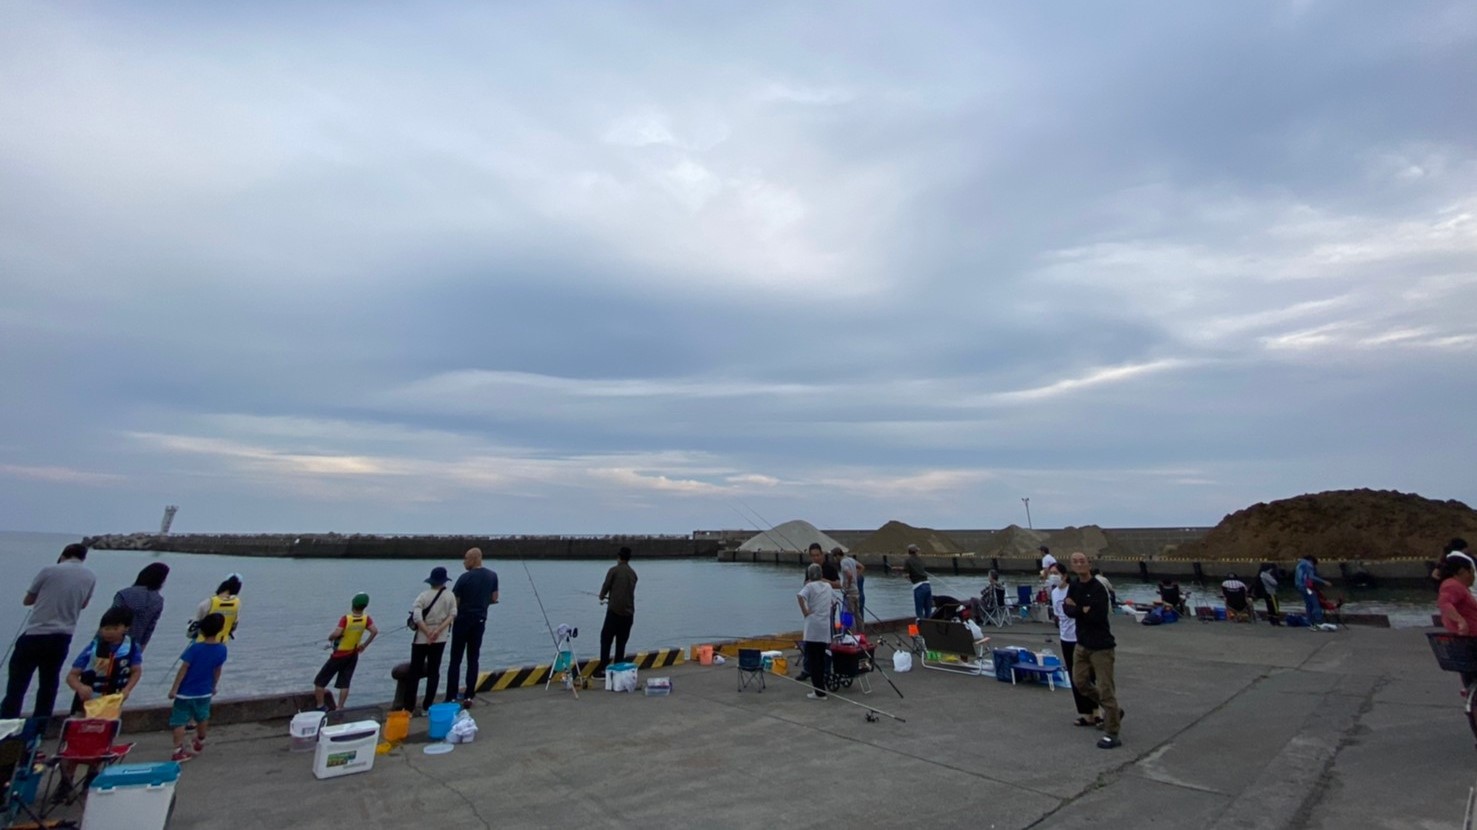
x=442, y=716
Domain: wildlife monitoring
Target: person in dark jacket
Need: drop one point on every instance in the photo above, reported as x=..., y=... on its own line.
x=144, y=600
x=1088, y=603
x=619, y=590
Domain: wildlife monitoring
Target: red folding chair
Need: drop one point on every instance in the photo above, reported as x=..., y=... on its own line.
x=85, y=742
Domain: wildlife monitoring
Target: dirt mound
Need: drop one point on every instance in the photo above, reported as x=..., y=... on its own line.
x=1090, y=539
x=895, y=536
x=1338, y=524
x=795, y=535
x=1015, y=542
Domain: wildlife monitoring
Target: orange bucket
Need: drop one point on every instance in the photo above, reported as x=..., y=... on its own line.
x=912, y=630
x=705, y=655
x=397, y=726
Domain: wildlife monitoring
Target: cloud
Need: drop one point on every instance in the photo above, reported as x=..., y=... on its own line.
x=591, y=270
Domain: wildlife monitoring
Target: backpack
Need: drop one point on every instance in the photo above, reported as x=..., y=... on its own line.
x=1155, y=617
x=410, y=618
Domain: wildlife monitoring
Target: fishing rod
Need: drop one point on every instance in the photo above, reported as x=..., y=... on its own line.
x=540, y=601
x=872, y=711
x=18, y=632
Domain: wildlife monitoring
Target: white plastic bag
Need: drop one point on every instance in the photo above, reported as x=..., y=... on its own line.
x=902, y=661
x=463, y=731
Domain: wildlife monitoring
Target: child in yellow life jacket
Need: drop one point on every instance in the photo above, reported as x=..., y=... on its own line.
x=348, y=639
x=227, y=603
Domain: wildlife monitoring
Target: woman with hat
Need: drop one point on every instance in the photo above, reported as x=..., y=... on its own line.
x=430, y=617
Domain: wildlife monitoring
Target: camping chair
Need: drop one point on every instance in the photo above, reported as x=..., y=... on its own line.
x=1176, y=598
x=750, y=668
x=19, y=780
x=951, y=638
x=992, y=608
x=1238, y=606
x=86, y=742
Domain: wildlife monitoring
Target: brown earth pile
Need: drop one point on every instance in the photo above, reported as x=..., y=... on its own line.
x=1090, y=539
x=1338, y=524
x=895, y=536
x=1015, y=542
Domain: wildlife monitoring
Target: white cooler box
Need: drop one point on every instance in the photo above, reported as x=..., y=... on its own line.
x=131, y=797
x=346, y=749
x=620, y=677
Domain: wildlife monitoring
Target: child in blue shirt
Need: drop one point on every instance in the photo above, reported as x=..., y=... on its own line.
x=196, y=682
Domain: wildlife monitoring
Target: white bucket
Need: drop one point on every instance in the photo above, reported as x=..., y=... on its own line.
x=304, y=730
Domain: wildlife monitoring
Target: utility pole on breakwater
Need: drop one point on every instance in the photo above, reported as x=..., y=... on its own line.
x=1026, y=500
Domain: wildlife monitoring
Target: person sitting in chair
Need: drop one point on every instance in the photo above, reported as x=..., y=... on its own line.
x=1171, y=596
x=1238, y=599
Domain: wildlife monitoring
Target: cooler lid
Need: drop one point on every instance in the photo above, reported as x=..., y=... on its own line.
x=136, y=775
x=622, y=666
x=349, y=731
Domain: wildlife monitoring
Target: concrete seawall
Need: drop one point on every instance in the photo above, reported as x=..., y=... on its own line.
x=1402, y=570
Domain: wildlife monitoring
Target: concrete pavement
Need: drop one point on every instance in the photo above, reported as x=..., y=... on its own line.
x=1227, y=726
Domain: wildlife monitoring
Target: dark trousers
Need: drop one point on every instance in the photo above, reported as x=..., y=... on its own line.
x=465, y=637
x=425, y=661
x=617, y=628
x=45, y=654
x=1273, y=615
x=815, y=663
x=1084, y=706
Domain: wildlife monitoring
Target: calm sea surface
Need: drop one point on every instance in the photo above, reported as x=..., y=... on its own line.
x=289, y=606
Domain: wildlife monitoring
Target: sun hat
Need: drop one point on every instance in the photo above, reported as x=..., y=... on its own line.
x=438, y=576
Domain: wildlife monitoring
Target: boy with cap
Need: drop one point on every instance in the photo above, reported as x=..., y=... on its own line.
x=348, y=641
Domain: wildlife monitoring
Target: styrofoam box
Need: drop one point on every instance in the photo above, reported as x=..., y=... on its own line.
x=346, y=749
x=131, y=797
x=304, y=730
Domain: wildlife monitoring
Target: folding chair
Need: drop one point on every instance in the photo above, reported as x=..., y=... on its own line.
x=993, y=610
x=86, y=742
x=18, y=778
x=942, y=637
x=750, y=668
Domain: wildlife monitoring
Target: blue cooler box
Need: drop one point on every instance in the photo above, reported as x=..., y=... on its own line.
x=131, y=797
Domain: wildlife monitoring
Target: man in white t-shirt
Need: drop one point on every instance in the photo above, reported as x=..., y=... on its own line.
x=1047, y=560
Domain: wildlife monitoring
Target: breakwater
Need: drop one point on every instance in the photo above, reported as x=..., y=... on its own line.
x=357, y=546
x=1401, y=571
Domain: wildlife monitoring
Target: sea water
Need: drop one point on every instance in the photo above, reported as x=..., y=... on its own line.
x=289, y=607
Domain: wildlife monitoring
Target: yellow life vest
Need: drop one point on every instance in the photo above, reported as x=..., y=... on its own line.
x=228, y=608
x=354, y=627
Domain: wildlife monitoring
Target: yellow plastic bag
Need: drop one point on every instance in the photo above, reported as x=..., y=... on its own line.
x=107, y=707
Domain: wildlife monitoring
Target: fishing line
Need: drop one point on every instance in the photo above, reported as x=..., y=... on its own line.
x=18, y=633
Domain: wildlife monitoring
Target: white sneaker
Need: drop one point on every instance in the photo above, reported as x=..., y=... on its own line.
x=814, y=696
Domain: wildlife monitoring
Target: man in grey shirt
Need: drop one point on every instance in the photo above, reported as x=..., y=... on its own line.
x=57, y=596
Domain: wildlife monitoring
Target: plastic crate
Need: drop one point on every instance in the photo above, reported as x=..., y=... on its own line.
x=1453, y=652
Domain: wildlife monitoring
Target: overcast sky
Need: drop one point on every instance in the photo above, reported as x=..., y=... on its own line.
x=653, y=267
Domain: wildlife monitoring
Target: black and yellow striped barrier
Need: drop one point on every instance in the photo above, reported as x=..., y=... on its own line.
x=527, y=676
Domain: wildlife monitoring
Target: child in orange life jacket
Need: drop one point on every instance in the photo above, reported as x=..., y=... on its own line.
x=195, y=684
x=348, y=641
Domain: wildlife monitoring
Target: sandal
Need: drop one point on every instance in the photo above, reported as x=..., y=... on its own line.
x=1082, y=721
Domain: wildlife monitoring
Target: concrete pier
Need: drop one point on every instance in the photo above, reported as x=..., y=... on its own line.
x=1227, y=726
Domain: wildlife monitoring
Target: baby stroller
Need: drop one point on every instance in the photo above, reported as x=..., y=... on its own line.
x=851, y=660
